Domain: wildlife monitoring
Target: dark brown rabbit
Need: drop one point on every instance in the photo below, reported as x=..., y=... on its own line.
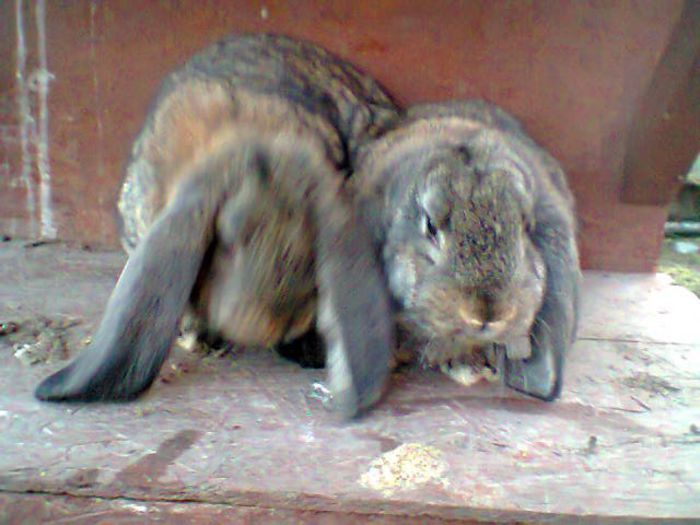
x=478, y=233
x=233, y=210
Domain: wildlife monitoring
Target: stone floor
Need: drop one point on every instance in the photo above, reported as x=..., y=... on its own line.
x=245, y=437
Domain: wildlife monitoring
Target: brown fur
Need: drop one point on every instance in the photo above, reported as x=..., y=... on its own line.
x=245, y=151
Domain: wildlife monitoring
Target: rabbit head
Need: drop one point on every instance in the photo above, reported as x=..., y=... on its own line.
x=477, y=231
x=458, y=257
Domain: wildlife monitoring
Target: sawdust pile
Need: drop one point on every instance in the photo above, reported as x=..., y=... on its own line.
x=405, y=467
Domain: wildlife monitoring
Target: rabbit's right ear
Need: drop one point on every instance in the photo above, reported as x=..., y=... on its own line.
x=141, y=318
x=354, y=309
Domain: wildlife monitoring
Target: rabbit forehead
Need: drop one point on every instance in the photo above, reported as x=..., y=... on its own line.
x=493, y=151
x=406, y=157
x=385, y=158
x=486, y=226
x=486, y=250
x=494, y=189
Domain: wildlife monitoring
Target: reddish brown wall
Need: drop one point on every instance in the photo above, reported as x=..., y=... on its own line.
x=573, y=71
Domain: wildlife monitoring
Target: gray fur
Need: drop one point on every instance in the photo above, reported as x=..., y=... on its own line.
x=477, y=227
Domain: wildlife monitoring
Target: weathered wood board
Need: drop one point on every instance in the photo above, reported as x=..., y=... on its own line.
x=246, y=436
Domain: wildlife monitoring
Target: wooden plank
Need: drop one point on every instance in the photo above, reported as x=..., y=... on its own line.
x=250, y=429
x=664, y=135
x=33, y=509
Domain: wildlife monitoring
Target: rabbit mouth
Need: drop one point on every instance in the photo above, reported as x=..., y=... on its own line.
x=467, y=351
x=457, y=356
x=486, y=364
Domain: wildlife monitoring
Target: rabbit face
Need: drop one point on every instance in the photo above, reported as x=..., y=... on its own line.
x=458, y=256
x=478, y=231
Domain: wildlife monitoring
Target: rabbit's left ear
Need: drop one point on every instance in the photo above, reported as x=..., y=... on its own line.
x=554, y=329
x=354, y=313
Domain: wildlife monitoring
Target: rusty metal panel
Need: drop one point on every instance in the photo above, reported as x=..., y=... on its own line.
x=572, y=71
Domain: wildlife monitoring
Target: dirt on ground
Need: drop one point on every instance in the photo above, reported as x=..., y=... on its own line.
x=38, y=339
x=684, y=268
x=654, y=385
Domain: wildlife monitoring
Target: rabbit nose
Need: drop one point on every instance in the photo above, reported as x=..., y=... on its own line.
x=501, y=321
x=474, y=316
x=472, y=321
x=485, y=318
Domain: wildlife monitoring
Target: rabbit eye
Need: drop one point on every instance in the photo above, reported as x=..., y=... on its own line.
x=430, y=230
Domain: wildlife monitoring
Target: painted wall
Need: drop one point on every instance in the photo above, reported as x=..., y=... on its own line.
x=76, y=78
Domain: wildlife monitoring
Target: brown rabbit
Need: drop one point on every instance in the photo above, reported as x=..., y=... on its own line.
x=478, y=233
x=233, y=209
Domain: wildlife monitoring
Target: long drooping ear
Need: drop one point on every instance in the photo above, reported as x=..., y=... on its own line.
x=140, y=321
x=354, y=312
x=555, y=325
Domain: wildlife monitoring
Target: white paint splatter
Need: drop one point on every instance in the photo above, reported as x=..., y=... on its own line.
x=37, y=82
x=26, y=122
x=48, y=230
x=141, y=509
x=5, y=172
x=96, y=87
x=307, y=435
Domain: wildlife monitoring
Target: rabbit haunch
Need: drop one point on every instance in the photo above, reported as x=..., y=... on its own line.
x=257, y=281
x=233, y=210
x=478, y=234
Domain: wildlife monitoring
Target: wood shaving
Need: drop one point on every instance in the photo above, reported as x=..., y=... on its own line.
x=405, y=467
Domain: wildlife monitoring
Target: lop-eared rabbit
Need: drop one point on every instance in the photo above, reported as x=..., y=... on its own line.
x=233, y=210
x=477, y=227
